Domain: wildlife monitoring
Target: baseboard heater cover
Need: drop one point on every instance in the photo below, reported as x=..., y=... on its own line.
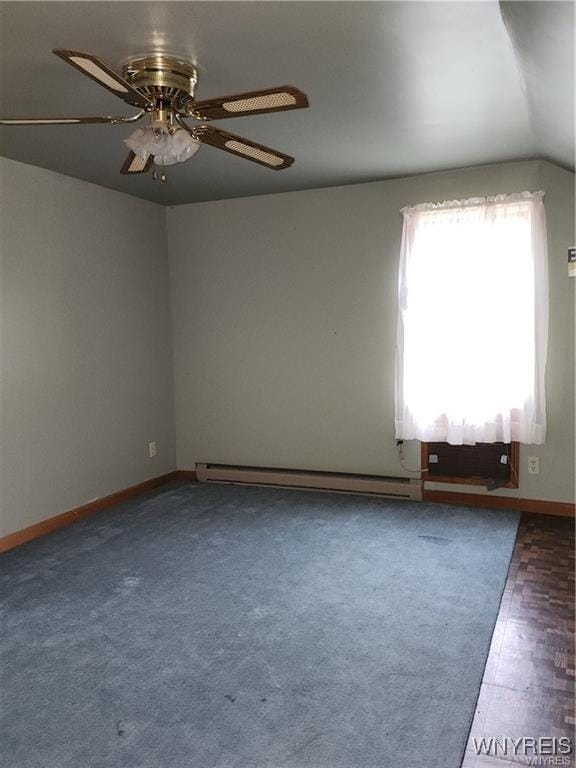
x=397, y=487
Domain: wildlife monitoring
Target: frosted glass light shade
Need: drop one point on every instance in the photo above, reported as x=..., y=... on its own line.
x=166, y=148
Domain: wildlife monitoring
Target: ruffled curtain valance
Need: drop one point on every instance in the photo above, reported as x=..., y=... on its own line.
x=471, y=202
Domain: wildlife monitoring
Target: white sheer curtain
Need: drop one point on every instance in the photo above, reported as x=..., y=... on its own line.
x=473, y=321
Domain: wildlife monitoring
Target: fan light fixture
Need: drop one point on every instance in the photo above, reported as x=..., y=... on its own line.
x=163, y=88
x=166, y=144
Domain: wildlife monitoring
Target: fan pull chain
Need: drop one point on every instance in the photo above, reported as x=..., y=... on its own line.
x=162, y=176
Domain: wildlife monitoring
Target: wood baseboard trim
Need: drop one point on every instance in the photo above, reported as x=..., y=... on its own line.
x=66, y=518
x=185, y=474
x=534, y=506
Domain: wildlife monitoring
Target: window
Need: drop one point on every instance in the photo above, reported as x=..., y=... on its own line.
x=473, y=321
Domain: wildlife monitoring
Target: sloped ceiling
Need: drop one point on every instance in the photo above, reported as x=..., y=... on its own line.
x=542, y=36
x=395, y=88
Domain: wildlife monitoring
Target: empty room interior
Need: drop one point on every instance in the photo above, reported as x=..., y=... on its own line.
x=287, y=384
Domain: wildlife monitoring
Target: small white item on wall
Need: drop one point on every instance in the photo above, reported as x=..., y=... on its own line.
x=572, y=262
x=433, y=458
x=533, y=465
x=151, y=450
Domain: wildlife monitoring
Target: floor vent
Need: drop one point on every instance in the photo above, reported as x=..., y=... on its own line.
x=397, y=487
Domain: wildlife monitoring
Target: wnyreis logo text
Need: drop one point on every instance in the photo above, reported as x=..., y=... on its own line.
x=541, y=751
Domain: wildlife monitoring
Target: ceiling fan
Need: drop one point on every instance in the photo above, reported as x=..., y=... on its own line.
x=163, y=89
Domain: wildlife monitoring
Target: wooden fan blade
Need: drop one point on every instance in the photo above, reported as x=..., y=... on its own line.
x=238, y=145
x=95, y=69
x=135, y=164
x=253, y=103
x=64, y=120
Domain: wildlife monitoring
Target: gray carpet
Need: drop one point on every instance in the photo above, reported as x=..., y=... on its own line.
x=231, y=627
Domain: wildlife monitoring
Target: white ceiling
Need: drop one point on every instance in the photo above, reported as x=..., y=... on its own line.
x=395, y=88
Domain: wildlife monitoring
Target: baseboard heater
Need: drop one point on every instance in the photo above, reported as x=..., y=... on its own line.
x=398, y=487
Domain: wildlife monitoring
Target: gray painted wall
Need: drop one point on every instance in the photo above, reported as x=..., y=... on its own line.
x=86, y=363
x=284, y=323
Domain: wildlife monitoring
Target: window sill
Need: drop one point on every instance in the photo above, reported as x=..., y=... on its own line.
x=428, y=478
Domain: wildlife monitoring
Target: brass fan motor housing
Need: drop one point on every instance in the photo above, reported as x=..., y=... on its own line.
x=166, y=80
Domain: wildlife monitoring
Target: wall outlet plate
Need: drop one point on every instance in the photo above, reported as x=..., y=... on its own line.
x=533, y=465
x=152, y=450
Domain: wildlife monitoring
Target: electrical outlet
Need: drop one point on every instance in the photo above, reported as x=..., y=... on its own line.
x=533, y=465
x=151, y=450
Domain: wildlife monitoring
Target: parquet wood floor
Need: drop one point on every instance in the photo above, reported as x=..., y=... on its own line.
x=528, y=684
